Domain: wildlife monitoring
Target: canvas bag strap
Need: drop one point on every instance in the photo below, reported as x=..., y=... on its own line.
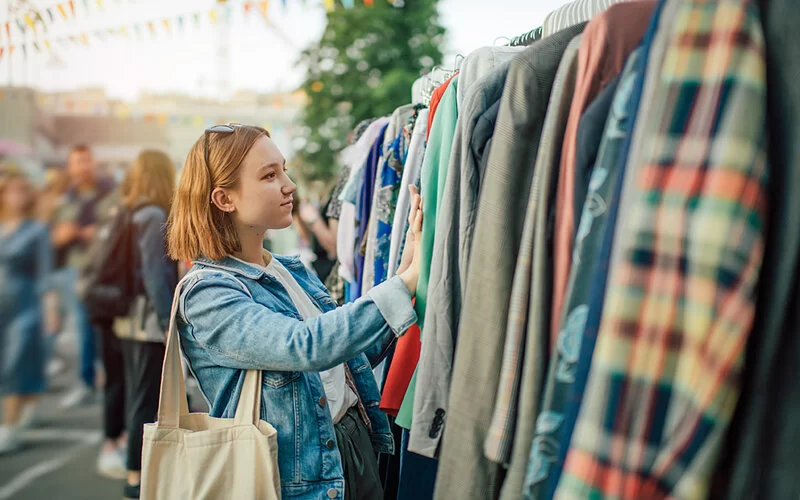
x=172, y=403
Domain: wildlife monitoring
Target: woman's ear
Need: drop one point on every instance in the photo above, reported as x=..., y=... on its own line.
x=222, y=200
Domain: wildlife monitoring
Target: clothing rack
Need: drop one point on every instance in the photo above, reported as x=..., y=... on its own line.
x=526, y=38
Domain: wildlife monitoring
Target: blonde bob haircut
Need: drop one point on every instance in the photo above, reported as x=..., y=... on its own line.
x=196, y=227
x=9, y=173
x=151, y=179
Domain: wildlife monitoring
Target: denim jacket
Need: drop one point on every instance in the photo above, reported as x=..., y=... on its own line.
x=225, y=331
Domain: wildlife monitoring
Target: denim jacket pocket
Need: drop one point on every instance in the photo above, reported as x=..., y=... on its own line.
x=276, y=380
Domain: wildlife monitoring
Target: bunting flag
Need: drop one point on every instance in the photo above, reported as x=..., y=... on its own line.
x=329, y=4
x=152, y=27
x=369, y=3
x=72, y=7
x=47, y=44
x=264, y=6
x=41, y=20
x=86, y=5
x=348, y=4
x=36, y=46
x=247, y=6
x=180, y=23
x=62, y=11
x=51, y=15
x=85, y=39
x=165, y=22
x=8, y=32
x=21, y=27
x=213, y=16
x=100, y=4
x=2, y=50
x=11, y=49
x=24, y=52
x=196, y=19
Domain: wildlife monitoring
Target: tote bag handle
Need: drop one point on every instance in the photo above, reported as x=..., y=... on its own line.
x=172, y=404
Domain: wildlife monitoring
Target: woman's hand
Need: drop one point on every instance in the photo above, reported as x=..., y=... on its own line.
x=410, y=265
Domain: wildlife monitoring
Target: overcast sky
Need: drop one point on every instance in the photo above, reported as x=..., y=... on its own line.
x=260, y=58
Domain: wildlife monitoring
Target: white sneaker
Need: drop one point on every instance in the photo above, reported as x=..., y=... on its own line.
x=29, y=417
x=56, y=367
x=9, y=439
x=79, y=396
x=111, y=464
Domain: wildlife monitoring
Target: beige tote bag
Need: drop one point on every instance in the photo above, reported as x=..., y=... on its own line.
x=194, y=456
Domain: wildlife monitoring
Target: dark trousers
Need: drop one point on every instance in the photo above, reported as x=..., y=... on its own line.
x=143, y=361
x=360, y=463
x=114, y=389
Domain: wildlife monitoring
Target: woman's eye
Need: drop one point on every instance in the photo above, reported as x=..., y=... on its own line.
x=269, y=176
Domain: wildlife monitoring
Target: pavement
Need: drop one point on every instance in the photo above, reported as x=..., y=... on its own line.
x=59, y=454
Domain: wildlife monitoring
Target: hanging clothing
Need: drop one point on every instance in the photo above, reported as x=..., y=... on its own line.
x=608, y=41
x=525, y=352
x=603, y=196
x=364, y=210
x=761, y=460
x=387, y=177
x=450, y=253
x=434, y=170
x=478, y=64
x=355, y=157
x=464, y=471
x=411, y=176
x=665, y=374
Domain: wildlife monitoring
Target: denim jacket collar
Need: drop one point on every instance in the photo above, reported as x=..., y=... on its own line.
x=240, y=268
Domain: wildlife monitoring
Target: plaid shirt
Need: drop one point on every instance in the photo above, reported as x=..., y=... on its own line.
x=664, y=377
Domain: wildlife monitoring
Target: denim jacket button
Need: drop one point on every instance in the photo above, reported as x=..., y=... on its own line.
x=332, y=493
x=331, y=445
x=323, y=401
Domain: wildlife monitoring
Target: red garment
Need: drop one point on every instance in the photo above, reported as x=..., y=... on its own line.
x=607, y=42
x=436, y=97
x=404, y=362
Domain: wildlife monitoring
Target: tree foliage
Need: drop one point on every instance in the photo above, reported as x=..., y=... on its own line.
x=362, y=67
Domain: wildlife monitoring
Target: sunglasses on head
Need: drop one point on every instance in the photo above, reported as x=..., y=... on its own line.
x=218, y=129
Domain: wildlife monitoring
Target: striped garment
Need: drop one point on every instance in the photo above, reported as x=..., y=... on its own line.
x=664, y=378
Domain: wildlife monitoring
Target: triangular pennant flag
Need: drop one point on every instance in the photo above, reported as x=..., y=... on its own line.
x=197, y=19
x=8, y=31
x=138, y=29
x=329, y=4
x=228, y=12
x=369, y=3
x=284, y=4
x=348, y=4
x=36, y=46
x=24, y=51
x=124, y=31
x=50, y=14
x=11, y=49
x=47, y=44
x=86, y=5
x=100, y=4
x=72, y=7
x=62, y=11
x=264, y=6
x=2, y=49
x=152, y=27
x=247, y=6
x=85, y=39
x=213, y=16
x=30, y=22
x=166, y=24
x=41, y=20
x=180, y=23
x=21, y=26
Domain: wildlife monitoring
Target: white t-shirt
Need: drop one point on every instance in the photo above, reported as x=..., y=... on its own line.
x=339, y=395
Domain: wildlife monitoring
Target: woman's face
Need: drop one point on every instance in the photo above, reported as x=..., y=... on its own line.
x=16, y=197
x=263, y=197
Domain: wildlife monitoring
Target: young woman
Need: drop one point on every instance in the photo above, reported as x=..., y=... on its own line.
x=246, y=309
x=147, y=193
x=25, y=301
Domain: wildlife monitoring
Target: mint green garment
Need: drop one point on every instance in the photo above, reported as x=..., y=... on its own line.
x=434, y=173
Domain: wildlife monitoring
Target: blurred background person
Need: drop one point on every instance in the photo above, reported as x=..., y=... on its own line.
x=148, y=189
x=317, y=238
x=73, y=229
x=28, y=306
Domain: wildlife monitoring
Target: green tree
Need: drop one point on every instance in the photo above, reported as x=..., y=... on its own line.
x=362, y=67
